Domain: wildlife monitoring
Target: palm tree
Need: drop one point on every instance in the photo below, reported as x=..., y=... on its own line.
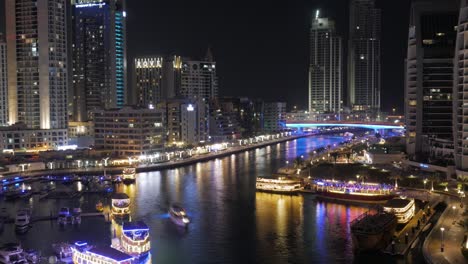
x=348, y=155
x=334, y=155
x=464, y=223
x=433, y=177
x=396, y=177
x=298, y=162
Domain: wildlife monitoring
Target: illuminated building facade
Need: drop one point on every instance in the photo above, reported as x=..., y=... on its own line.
x=429, y=78
x=129, y=131
x=198, y=78
x=3, y=83
x=187, y=121
x=325, y=87
x=364, y=59
x=18, y=137
x=99, y=56
x=148, y=81
x=38, y=74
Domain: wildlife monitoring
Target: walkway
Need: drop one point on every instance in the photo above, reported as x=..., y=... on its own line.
x=453, y=236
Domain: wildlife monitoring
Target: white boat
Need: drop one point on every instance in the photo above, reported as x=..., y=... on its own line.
x=135, y=239
x=63, y=215
x=64, y=252
x=120, y=204
x=22, y=220
x=404, y=209
x=76, y=216
x=12, y=253
x=278, y=185
x=83, y=253
x=178, y=215
x=128, y=175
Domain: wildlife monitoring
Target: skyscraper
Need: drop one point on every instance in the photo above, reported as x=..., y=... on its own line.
x=99, y=56
x=429, y=77
x=364, y=56
x=148, y=80
x=325, y=87
x=198, y=78
x=3, y=83
x=37, y=63
x=460, y=91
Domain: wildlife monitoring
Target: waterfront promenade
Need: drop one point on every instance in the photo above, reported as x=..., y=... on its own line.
x=165, y=165
x=453, y=235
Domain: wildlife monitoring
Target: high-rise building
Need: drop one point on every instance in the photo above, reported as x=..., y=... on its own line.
x=364, y=60
x=460, y=91
x=3, y=83
x=172, y=67
x=325, y=87
x=274, y=116
x=148, y=76
x=37, y=65
x=429, y=77
x=198, y=78
x=129, y=131
x=99, y=56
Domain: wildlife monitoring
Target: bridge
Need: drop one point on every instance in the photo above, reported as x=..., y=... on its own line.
x=376, y=125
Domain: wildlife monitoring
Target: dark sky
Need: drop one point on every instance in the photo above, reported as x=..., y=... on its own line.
x=261, y=47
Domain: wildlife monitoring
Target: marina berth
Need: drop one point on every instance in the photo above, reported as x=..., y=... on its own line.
x=403, y=209
x=279, y=185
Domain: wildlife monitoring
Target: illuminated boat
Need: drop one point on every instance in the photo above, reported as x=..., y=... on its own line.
x=120, y=204
x=22, y=220
x=352, y=192
x=63, y=215
x=178, y=215
x=403, y=209
x=373, y=231
x=12, y=253
x=280, y=185
x=135, y=240
x=85, y=254
x=128, y=175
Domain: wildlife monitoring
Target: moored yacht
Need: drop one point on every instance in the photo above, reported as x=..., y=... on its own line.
x=12, y=253
x=120, y=204
x=128, y=175
x=279, y=185
x=178, y=215
x=63, y=215
x=83, y=253
x=22, y=220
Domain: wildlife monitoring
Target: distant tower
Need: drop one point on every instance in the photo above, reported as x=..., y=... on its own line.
x=37, y=63
x=99, y=56
x=429, y=77
x=148, y=80
x=3, y=83
x=325, y=87
x=364, y=68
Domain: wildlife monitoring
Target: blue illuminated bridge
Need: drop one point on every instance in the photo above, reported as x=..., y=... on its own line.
x=370, y=125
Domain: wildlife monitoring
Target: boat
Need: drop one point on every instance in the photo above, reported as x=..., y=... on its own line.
x=284, y=185
x=22, y=220
x=99, y=206
x=63, y=215
x=352, y=192
x=403, y=209
x=12, y=253
x=84, y=253
x=120, y=204
x=128, y=175
x=135, y=240
x=178, y=215
x=373, y=231
x=64, y=252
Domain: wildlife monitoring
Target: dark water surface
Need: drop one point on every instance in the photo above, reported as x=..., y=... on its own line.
x=231, y=223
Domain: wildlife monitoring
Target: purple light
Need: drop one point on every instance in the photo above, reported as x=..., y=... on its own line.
x=136, y=230
x=80, y=244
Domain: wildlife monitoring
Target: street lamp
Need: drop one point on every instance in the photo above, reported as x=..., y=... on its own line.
x=442, y=240
x=357, y=177
x=425, y=181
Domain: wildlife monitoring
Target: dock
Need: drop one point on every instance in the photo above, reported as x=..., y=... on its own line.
x=402, y=244
x=34, y=219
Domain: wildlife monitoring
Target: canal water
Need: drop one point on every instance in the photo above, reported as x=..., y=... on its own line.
x=231, y=223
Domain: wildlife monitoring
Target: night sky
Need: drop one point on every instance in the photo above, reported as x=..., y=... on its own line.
x=261, y=47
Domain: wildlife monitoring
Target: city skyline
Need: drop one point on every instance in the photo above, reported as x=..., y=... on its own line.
x=234, y=40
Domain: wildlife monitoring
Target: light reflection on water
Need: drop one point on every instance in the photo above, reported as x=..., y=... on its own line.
x=231, y=223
